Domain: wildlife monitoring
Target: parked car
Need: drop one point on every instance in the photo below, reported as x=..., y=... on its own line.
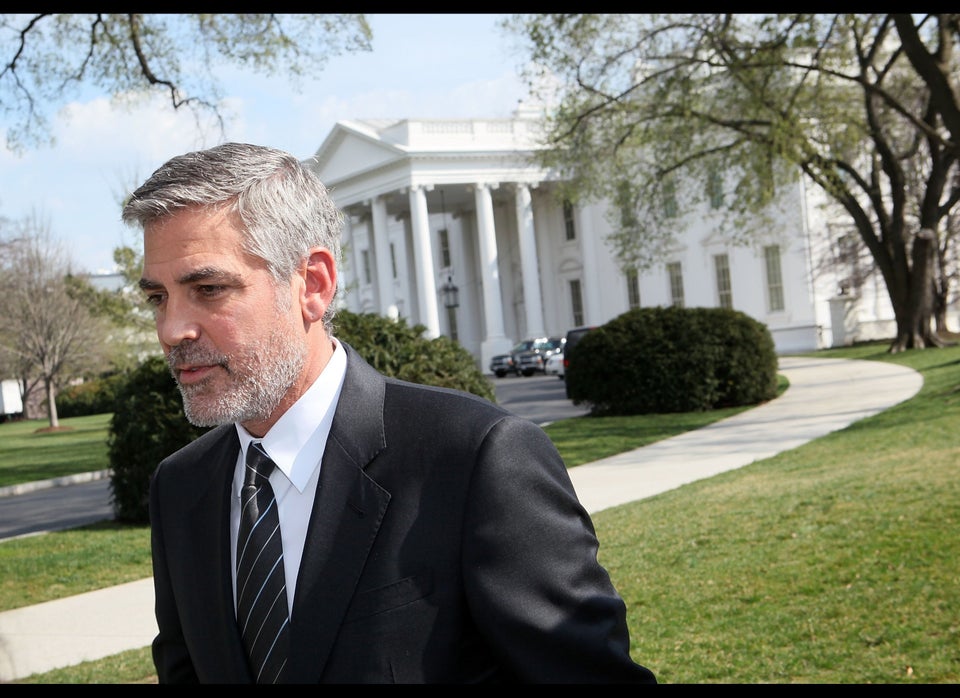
x=534, y=359
x=502, y=364
x=573, y=338
x=555, y=365
x=526, y=357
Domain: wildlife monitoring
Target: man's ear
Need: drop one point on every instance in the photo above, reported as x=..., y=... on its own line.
x=320, y=284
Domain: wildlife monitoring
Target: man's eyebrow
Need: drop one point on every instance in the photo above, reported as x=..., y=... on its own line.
x=207, y=274
x=192, y=277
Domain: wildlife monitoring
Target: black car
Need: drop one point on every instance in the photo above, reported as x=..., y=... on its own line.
x=573, y=337
x=502, y=364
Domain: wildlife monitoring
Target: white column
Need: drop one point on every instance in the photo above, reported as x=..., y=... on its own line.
x=592, y=312
x=381, y=255
x=405, y=286
x=348, y=273
x=423, y=261
x=495, y=342
x=532, y=300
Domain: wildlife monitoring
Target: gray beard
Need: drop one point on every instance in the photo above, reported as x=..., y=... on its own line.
x=259, y=380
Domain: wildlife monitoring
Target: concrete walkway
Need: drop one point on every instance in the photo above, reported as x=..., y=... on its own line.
x=824, y=395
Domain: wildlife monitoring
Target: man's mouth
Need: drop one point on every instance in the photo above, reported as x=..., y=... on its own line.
x=189, y=375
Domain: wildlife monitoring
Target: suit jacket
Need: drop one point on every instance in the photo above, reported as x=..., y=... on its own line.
x=446, y=545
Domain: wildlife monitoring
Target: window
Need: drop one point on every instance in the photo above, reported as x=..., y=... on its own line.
x=444, y=248
x=365, y=255
x=669, y=193
x=568, y=222
x=848, y=265
x=675, y=273
x=771, y=255
x=715, y=188
x=633, y=289
x=721, y=263
x=576, y=301
x=393, y=260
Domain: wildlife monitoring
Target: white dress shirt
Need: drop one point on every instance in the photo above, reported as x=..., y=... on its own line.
x=295, y=443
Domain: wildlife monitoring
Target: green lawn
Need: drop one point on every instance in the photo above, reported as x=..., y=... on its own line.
x=836, y=562
x=30, y=451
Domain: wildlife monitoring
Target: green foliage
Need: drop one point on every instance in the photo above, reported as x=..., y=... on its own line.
x=148, y=425
x=401, y=351
x=90, y=397
x=100, y=302
x=666, y=360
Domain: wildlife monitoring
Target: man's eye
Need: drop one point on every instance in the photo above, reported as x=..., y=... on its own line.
x=209, y=290
x=154, y=299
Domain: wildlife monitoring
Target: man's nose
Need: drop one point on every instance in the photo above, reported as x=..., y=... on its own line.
x=176, y=323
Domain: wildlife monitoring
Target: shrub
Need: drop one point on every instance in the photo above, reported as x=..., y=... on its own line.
x=149, y=423
x=401, y=351
x=90, y=397
x=665, y=360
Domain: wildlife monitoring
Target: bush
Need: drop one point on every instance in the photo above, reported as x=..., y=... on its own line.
x=666, y=360
x=149, y=423
x=400, y=351
x=90, y=397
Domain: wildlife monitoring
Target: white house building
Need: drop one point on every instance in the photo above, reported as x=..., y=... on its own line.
x=434, y=206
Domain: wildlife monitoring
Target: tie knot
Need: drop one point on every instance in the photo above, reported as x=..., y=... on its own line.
x=259, y=465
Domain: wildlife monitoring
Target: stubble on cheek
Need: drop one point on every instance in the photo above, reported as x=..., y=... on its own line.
x=201, y=398
x=248, y=385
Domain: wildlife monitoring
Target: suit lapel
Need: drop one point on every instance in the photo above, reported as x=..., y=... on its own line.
x=346, y=516
x=211, y=551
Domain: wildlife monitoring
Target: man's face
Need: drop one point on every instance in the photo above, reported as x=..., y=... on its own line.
x=234, y=340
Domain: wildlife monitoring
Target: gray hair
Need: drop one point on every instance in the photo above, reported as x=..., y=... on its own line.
x=283, y=207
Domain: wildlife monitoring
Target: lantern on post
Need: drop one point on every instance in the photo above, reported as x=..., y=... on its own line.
x=450, y=294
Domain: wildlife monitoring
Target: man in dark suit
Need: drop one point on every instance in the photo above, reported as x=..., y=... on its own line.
x=429, y=536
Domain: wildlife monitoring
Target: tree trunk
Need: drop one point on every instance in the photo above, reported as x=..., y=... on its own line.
x=941, y=295
x=915, y=326
x=940, y=309
x=52, y=403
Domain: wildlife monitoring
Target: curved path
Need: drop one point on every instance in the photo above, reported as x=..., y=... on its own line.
x=824, y=395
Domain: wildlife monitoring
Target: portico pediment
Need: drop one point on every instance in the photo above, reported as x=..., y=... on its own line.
x=352, y=148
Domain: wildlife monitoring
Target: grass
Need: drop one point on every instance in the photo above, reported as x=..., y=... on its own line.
x=29, y=451
x=836, y=562
x=34, y=569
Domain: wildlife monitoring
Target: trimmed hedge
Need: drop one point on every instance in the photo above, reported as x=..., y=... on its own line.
x=665, y=360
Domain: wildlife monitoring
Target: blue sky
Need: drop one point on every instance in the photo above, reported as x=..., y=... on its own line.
x=421, y=66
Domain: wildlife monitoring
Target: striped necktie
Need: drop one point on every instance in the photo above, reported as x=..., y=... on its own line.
x=261, y=587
